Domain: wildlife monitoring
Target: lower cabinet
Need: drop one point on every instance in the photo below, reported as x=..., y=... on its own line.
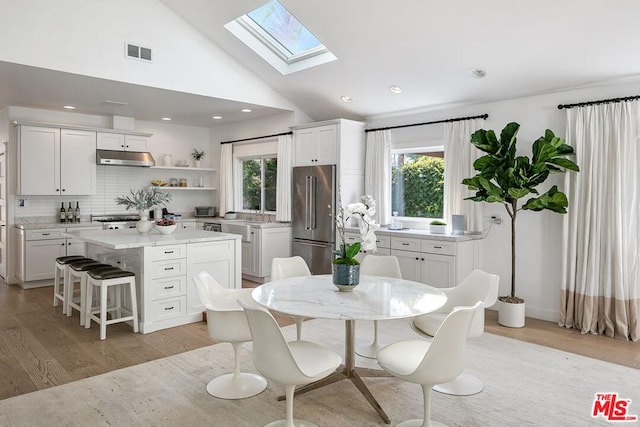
x=266, y=244
x=38, y=250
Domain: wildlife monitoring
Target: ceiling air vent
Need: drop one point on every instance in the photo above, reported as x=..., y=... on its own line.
x=137, y=52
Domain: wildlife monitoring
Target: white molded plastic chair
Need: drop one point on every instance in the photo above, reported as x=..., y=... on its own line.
x=477, y=286
x=384, y=266
x=430, y=363
x=283, y=268
x=290, y=364
x=226, y=322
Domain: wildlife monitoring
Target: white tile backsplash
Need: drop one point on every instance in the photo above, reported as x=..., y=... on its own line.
x=114, y=181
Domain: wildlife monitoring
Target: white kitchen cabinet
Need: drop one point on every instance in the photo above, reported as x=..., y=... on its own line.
x=265, y=245
x=218, y=258
x=187, y=225
x=438, y=263
x=54, y=161
x=383, y=244
x=316, y=145
x=38, y=250
x=120, y=142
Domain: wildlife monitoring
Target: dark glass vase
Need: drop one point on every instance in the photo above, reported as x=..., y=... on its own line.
x=346, y=277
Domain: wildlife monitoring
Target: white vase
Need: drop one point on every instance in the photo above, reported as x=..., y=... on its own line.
x=197, y=162
x=511, y=315
x=144, y=225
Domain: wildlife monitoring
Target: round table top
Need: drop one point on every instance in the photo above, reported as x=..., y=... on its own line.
x=375, y=298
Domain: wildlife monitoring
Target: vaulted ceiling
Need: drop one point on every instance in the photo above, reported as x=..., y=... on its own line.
x=427, y=47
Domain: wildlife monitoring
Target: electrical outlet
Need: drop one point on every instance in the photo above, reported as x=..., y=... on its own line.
x=496, y=219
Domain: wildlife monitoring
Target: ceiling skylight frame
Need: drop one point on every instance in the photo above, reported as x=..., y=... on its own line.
x=272, y=51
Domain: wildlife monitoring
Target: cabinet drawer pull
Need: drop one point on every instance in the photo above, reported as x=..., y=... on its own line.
x=417, y=259
x=421, y=259
x=169, y=308
x=405, y=244
x=168, y=268
x=169, y=287
x=46, y=234
x=168, y=252
x=437, y=247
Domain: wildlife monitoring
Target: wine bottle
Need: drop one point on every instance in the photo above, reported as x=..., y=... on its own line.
x=63, y=213
x=70, y=213
x=76, y=213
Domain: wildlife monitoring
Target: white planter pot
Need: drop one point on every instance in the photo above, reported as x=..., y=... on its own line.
x=437, y=229
x=144, y=225
x=511, y=315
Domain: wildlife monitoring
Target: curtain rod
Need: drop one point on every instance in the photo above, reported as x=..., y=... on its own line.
x=257, y=137
x=601, y=101
x=457, y=119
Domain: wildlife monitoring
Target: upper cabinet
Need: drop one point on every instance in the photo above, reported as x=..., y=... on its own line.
x=316, y=145
x=54, y=161
x=120, y=141
x=339, y=142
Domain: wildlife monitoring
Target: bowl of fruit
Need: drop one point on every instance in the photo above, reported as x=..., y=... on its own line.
x=166, y=226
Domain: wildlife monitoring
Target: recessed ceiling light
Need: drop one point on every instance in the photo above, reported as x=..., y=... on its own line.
x=346, y=99
x=217, y=117
x=395, y=89
x=246, y=110
x=69, y=107
x=478, y=72
x=166, y=119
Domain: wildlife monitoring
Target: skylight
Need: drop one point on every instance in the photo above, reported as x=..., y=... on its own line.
x=279, y=38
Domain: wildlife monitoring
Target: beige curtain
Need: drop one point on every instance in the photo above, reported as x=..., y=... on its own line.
x=283, y=178
x=459, y=155
x=226, y=179
x=377, y=173
x=601, y=268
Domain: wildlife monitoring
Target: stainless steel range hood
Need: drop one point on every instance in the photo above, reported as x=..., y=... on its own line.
x=124, y=158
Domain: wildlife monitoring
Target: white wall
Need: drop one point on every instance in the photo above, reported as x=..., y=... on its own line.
x=88, y=37
x=539, y=234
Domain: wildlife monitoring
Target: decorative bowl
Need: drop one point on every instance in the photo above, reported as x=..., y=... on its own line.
x=166, y=229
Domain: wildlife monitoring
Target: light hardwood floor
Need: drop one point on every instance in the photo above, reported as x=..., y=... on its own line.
x=40, y=347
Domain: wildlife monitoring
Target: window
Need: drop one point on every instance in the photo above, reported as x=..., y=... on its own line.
x=259, y=183
x=417, y=182
x=272, y=32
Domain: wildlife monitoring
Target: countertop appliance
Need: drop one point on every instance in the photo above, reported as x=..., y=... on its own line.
x=312, y=222
x=205, y=211
x=116, y=221
x=212, y=226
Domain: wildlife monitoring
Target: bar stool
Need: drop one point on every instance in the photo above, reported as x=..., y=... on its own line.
x=104, y=278
x=59, y=291
x=78, y=270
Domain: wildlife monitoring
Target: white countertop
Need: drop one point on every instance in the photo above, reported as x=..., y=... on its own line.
x=130, y=238
x=258, y=224
x=37, y=225
x=423, y=234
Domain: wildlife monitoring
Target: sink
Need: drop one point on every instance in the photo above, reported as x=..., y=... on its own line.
x=243, y=229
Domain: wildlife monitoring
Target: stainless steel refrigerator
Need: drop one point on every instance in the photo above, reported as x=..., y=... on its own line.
x=313, y=226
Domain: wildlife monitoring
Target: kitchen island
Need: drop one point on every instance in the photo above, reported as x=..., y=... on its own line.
x=164, y=266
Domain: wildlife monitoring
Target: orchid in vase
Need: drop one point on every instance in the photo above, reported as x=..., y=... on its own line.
x=363, y=212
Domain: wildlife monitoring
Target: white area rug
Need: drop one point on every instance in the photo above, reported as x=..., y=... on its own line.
x=525, y=385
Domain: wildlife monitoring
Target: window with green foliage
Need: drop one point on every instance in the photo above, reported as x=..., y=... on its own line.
x=417, y=182
x=259, y=183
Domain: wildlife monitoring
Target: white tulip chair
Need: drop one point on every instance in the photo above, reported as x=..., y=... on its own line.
x=477, y=286
x=383, y=266
x=430, y=363
x=290, y=364
x=283, y=268
x=226, y=322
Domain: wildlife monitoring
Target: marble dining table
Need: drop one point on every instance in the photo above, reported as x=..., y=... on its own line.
x=375, y=298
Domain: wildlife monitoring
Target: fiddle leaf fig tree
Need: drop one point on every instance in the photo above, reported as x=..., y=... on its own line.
x=504, y=177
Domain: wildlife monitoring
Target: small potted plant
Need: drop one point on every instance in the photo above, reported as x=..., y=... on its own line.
x=197, y=155
x=346, y=268
x=142, y=201
x=437, y=227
